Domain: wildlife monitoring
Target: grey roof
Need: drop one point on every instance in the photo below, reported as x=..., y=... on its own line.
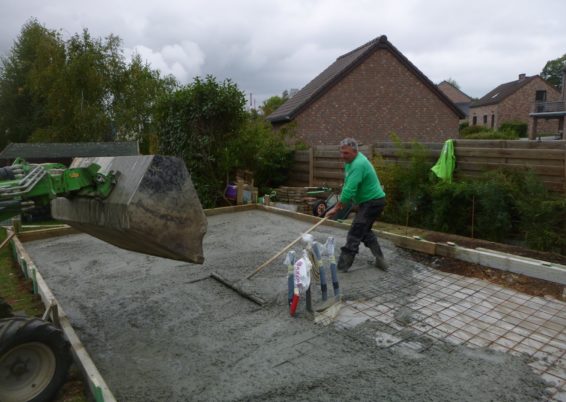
x=338, y=70
x=69, y=150
x=502, y=91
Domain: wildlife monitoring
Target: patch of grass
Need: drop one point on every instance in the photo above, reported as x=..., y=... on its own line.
x=18, y=292
x=14, y=288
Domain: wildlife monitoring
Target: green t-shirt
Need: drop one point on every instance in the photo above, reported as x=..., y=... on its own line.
x=361, y=183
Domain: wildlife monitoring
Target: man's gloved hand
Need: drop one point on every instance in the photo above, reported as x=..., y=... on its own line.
x=334, y=210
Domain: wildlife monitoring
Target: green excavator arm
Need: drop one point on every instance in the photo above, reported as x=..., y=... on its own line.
x=24, y=186
x=142, y=203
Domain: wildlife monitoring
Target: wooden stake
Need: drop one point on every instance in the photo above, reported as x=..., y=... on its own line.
x=7, y=240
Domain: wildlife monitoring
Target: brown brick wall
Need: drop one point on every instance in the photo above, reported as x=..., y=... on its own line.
x=517, y=107
x=379, y=97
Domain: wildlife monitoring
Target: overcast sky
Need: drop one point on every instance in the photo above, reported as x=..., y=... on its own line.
x=267, y=46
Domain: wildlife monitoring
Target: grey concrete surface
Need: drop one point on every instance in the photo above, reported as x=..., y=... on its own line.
x=163, y=330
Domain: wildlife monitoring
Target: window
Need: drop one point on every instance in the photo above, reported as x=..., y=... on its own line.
x=485, y=119
x=540, y=96
x=492, y=120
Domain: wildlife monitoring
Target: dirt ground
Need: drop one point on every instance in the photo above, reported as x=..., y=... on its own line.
x=164, y=330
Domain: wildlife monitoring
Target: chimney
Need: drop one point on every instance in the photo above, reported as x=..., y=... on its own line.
x=522, y=76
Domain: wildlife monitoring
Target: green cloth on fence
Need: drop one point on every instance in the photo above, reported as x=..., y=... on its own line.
x=446, y=162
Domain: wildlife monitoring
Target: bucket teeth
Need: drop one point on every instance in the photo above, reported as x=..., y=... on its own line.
x=153, y=208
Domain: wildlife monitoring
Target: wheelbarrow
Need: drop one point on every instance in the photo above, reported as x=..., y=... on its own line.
x=320, y=207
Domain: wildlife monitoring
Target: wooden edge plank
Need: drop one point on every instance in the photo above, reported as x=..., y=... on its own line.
x=554, y=272
x=42, y=234
x=536, y=269
x=83, y=360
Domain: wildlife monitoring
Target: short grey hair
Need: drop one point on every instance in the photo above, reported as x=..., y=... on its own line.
x=349, y=142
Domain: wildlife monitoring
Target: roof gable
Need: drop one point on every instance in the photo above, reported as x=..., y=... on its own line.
x=503, y=91
x=455, y=94
x=339, y=69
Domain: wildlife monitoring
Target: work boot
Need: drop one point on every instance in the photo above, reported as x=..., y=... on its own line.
x=379, y=260
x=345, y=261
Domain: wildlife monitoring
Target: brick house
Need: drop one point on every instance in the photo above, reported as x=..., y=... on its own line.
x=513, y=102
x=368, y=94
x=459, y=98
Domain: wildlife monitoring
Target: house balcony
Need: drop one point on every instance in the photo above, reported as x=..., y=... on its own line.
x=549, y=109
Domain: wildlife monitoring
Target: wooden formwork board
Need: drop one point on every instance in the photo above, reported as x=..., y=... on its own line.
x=96, y=384
x=529, y=267
x=533, y=268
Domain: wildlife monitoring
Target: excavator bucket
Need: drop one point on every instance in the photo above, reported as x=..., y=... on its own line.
x=152, y=209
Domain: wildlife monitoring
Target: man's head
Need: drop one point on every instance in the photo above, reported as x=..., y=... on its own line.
x=348, y=149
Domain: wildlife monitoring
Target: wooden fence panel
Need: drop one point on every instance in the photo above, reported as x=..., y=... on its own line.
x=322, y=165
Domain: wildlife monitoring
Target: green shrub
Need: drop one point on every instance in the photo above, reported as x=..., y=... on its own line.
x=518, y=127
x=488, y=134
x=466, y=131
x=463, y=125
x=405, y=184
x=498, y=205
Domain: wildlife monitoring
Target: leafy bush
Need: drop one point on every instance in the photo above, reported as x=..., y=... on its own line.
x=484, y=133
x=271, y=156
x=498, y=205
x=518, y=127
x=405, y=183
x=466, y=131
x=195, y=122
x=463, y=125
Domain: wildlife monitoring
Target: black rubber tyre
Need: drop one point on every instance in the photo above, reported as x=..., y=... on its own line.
x=319, y=208
x=34, y=360
x=5, y=309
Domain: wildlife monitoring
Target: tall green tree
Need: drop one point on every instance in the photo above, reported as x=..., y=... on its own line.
x=80, y=95
x=271, y=104
x=135, y=99
x=195, y=123
x=37, y=54
x=82, y=89
x=453, y=82
x=553, y=70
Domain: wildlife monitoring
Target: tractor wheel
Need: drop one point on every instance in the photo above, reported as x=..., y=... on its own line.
x=319, y=208
x=34, y=360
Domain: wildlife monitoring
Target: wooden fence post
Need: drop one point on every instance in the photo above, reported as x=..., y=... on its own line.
x=311, y=166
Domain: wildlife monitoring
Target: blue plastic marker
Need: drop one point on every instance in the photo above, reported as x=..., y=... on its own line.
x=329, y=245
x=317, y=251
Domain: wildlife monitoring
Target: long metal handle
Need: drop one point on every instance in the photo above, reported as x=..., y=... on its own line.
x=266, y=263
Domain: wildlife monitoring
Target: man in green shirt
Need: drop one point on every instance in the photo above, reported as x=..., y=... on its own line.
x=362, y=187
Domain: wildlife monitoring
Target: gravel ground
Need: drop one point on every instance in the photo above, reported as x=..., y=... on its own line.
x=162, y=330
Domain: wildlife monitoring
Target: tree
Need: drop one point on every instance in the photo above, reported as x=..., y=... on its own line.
x=272, y=156
x=553, y=71
x=37, y=54
x=195, y=123
x=453, y=82
x=134, y=102
x=271, y=104
x=79, y=90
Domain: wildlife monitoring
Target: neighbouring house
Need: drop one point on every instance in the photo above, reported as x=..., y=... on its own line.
x=370, y=93
x=458, y=97
x=513, y=102
x=549, y=110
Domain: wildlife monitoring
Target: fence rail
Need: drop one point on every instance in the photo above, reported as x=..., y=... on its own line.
x=322, y=165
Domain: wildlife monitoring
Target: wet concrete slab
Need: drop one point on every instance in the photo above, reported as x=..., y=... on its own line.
x=467, y=311
x=160, y=329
